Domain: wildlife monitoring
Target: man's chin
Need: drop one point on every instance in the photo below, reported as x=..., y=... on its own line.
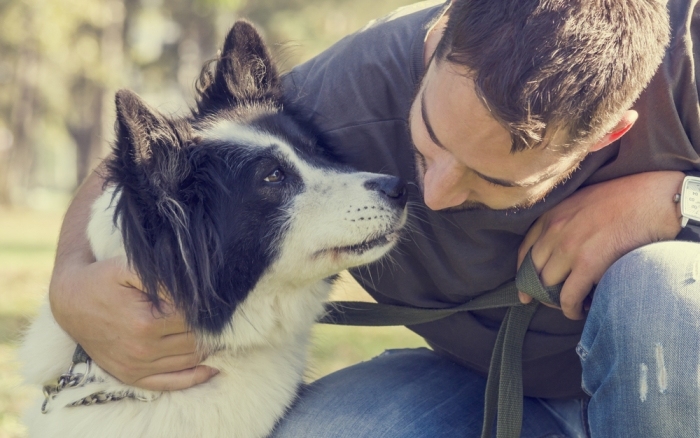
x=465, y=206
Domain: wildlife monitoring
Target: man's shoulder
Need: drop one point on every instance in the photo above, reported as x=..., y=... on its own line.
x=368, y=74
x=404, y=15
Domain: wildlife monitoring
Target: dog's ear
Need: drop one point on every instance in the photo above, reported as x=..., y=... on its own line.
x=143, y=134
x=243, y=72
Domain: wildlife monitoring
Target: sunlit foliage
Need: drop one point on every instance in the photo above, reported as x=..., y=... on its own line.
x=62, y=60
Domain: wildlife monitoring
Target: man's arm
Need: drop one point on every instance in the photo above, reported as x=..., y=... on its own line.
x=101, y=306
x=579, y=239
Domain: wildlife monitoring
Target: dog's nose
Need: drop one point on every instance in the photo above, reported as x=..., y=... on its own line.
x=393, y=189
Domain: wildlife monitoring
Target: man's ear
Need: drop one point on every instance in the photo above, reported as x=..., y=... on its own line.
x=624, y=125
x=243, y=73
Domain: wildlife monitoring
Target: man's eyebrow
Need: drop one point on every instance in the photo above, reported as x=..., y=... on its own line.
x=505, y=183
x=426, y=122
x=433, y=137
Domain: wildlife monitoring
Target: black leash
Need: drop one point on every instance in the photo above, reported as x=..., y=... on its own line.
x=504, y=387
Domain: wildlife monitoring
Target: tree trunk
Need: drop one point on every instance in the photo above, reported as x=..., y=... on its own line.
x=18, y=158
x=92, y=130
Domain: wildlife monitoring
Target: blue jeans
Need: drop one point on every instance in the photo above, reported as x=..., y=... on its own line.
x=639, y=352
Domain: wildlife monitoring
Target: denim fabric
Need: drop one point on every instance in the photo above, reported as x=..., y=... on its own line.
x=639, y=352
x=639, y=348
x=404, y=393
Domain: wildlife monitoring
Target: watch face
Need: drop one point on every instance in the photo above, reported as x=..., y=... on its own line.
x=690, y=198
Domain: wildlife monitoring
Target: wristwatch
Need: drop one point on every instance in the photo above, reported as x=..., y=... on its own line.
x=690, y=207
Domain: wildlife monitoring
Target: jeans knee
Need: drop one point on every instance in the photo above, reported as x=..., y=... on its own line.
x=651, y=291
x=653, y=276
x=640, y=346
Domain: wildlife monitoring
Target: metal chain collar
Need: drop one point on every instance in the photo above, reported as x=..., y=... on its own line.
x=71, y=379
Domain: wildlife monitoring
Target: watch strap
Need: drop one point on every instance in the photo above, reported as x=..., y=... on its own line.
x=690, y=232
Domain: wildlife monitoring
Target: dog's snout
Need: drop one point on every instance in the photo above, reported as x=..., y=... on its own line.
x=393, y=189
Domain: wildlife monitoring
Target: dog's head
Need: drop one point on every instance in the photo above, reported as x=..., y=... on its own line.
x=210, y=204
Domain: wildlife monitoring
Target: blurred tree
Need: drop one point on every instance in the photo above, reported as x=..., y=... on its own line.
x=56, y=88
x=102, y=39
x=304, y=28
x=62, y=60
x=17, y=155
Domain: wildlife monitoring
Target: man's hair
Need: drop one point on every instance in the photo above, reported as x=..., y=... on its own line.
x=543, y=66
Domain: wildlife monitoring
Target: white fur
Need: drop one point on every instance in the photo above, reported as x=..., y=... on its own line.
x=226, y=130
x=262, y=354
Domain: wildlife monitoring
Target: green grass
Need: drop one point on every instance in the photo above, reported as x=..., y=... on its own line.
x=27, y=242
x=27, y=246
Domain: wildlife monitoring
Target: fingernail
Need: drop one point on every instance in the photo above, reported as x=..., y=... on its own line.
x=213, y=372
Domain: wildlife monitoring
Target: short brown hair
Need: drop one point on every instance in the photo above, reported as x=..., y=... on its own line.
x=545, y=65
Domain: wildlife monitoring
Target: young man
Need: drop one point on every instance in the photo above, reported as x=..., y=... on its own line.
x=509, y=116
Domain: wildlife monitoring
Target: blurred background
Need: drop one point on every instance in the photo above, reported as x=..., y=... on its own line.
x=61, y=61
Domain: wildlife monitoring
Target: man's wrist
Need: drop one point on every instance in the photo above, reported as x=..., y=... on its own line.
x=690, y=230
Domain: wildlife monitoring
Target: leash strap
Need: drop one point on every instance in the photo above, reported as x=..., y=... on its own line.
x=504, y=387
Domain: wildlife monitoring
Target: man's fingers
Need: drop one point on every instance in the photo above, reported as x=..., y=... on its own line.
x=551, y=270
x=172, y=364
x=166, y=348
x=131, y=371
x=166, y=322
x=555, y=270
x=178, y=344
x=530, y=238
x=573, y=295
x=524, y=298
x=177, y=380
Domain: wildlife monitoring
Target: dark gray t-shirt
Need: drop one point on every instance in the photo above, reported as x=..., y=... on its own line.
x=358, y=93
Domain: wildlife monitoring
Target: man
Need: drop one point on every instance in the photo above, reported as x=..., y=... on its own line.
x=516, y=114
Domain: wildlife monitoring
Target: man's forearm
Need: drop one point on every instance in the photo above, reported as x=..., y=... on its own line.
x=73, y=244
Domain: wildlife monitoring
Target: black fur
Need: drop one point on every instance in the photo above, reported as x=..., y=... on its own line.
x=255, y=77
x=196, y=214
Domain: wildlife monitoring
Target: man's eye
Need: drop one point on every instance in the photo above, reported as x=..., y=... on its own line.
x=276, y=176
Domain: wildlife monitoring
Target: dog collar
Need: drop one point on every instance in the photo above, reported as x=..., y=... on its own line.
x=79, y=375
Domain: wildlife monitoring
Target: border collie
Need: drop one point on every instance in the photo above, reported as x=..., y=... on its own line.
x=244, y=219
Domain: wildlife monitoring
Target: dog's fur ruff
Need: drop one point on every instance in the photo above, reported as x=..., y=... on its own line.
x=239, y=214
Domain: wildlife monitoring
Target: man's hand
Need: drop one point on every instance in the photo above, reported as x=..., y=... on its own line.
x=101, y=306
x=579, y=239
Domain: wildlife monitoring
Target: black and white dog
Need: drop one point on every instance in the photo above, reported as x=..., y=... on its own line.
x=239, y=214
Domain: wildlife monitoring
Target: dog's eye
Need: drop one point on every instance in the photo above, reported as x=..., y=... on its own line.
x=275, y=176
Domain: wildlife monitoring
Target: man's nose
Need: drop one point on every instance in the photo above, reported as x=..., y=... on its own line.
x=443, y=191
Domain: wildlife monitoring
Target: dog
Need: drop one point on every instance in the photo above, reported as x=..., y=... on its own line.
x=240, y=216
